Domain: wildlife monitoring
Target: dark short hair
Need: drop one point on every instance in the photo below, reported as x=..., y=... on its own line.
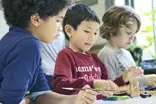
x=18, y=12
x=116, y=16
x=78, y=13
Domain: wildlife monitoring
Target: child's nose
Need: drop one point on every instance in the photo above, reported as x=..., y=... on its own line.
x=59, y=28
x=131, y=37
x=91, y=37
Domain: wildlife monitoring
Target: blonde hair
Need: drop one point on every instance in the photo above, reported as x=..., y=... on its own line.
x=118, y=16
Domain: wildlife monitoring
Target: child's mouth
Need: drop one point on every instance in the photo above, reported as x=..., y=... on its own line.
x=88, y=44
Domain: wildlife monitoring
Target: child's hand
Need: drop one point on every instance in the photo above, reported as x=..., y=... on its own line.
x=105, y=85
x=105, y=93
x=151, y=79
x=86, y=96
x=134, y=87
x=132, y=73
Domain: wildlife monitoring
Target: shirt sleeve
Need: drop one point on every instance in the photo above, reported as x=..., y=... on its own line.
x=19, y=71
x=119, y=81
x=41, y=83
x=64, y=76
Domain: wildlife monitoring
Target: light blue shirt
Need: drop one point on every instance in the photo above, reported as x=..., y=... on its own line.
x=49, y=53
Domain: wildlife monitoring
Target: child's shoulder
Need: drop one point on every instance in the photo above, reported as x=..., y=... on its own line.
x=107, y=50
x=95, y=56
x=125, y=51
x=66, y=50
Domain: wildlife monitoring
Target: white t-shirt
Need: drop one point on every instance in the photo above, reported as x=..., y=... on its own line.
x=117, y=60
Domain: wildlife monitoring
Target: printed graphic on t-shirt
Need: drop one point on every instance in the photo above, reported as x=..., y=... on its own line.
x=88, y=72
x=125, y=60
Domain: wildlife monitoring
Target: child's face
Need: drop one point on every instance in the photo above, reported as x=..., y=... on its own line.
x=82, y=39
x=125, y=36
x=49, y=29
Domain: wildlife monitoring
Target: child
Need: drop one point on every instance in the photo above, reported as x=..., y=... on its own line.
x=20, y=60
x=120, y=25
x=74, y=66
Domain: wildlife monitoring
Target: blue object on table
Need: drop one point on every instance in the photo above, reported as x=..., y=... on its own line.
x=148, y=64
x=145, y=95
x=109, y=99
x=114, y=98
x=151, y=88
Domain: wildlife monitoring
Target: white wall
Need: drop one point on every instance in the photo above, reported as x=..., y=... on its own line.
x=3, y=26
x=100, y=9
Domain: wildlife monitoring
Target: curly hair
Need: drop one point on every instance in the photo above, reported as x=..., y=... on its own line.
x=115, y=17
x=18, y=12
x=78, y=13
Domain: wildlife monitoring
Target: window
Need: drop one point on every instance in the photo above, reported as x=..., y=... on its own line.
x=119, y=2
x=146, y=37
x=87, y=2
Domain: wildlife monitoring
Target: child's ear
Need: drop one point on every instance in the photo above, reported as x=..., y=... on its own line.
x=111, y=34
x=69, y=30
x=35, y=20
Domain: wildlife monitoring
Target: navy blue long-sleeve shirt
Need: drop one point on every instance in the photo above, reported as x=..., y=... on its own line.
x=20, y=66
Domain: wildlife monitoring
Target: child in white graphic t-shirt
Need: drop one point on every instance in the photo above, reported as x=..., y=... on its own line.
x=120, y=25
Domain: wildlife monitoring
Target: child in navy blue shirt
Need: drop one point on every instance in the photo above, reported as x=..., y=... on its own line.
x=20, y=62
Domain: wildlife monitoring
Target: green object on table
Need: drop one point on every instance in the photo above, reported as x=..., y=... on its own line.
x=119, y=97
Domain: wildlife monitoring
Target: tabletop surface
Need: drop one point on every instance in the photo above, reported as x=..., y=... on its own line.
x=135, y=100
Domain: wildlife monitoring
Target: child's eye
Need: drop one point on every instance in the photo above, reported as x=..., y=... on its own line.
x=86, y=31
x=129, y=33
x=95, y=34
x=58, y=20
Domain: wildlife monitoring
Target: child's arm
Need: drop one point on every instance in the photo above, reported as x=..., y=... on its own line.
x=150, y=79
x=105, y=85
x=84, y=97
x=26, y=101
x=104, y=82
x=132, y=72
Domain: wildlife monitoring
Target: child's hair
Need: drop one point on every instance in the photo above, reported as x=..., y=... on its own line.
x=117, y=16
x=78, y=13
x=18, y=12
